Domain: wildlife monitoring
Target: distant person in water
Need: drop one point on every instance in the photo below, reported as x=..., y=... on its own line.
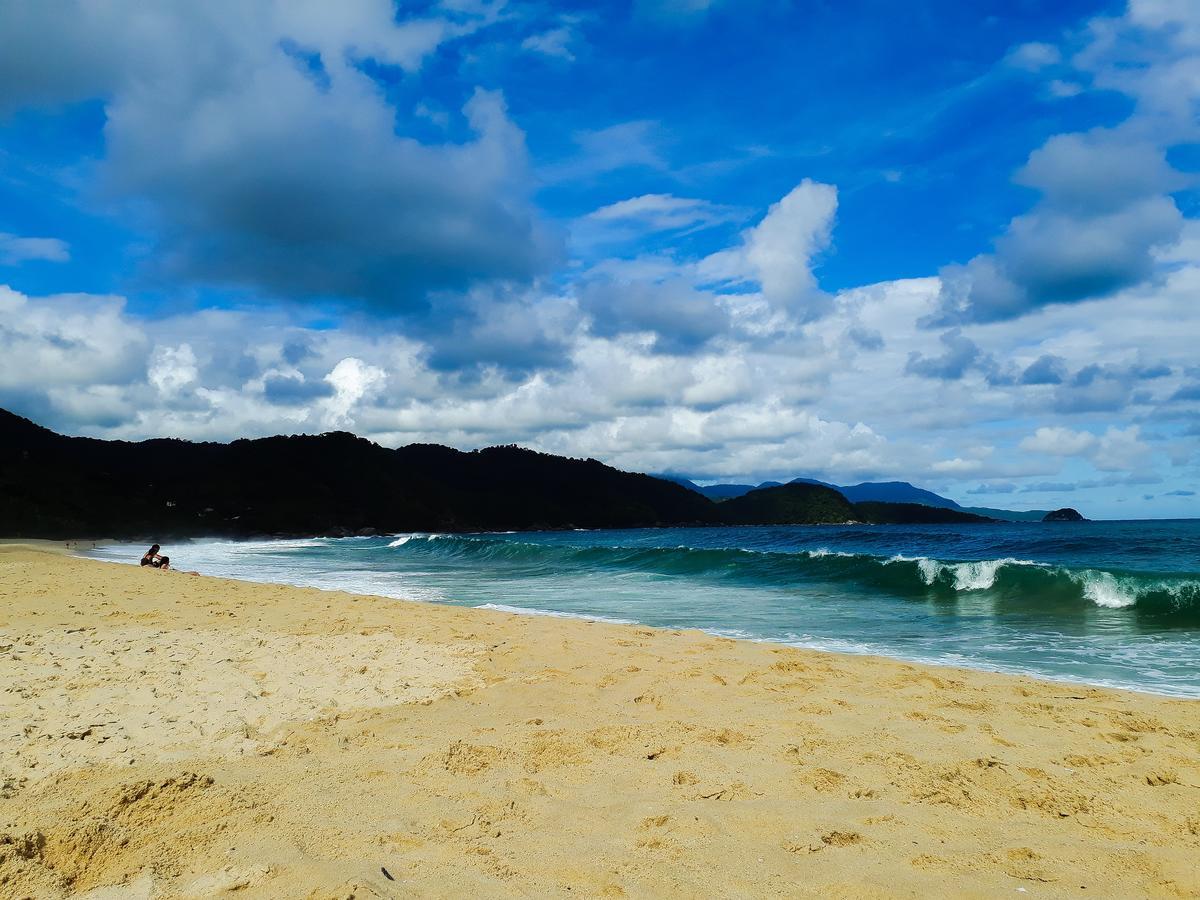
x=153, y=558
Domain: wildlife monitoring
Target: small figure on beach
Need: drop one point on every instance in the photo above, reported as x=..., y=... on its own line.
x=153, y=558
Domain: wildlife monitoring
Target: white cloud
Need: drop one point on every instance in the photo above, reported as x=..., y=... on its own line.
x=1121, y=450
x=352, y=380
x=1183, y=16
x=1058, y=441
x=632, y=219
x=1106, y=212
x=1034, y=56
x=1116, y=450
x=663, y=212
x=15, y=249
x=782, y=247
x=779, y=252
x=807, y=404
x=554, y=43
x=267, y=156
x=1061, y=90
x=626, y=145
x=172, y=369
x=957, y=466
x=67, y=340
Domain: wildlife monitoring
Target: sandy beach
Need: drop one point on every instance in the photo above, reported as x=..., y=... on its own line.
x=168, y=735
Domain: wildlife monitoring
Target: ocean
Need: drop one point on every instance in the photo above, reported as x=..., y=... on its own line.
x=1105, y=603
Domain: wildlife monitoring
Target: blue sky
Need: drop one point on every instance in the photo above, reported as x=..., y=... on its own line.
x=951, y=243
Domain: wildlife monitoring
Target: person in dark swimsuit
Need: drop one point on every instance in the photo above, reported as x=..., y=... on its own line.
x=153, y=558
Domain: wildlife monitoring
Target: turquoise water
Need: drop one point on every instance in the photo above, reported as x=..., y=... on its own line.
x=1109, y=603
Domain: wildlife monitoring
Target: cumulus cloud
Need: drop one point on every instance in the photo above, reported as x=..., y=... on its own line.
x=293, y=389
x=636, y=390
x=1102, y=219
x=1117, y=449
x=680, y=317
x=780, y=251
x=266, y=156
x=516, y=332
x=961, y=354
x=1059, y=441
x=1121, y=449
x=64, y=343
x=1046, y=369
x=1105, y=388
x=352, y=380
x=1105, y=216
x=172, y=369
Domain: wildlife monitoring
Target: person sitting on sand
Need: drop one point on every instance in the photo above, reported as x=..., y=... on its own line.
x=153, y=558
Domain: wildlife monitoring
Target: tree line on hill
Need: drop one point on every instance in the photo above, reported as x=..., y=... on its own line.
x=54, y=486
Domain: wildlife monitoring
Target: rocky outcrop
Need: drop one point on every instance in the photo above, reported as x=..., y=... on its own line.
x=1066, y=514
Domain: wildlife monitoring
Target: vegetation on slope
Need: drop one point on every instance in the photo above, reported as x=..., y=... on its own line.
x=789, y=504
x=53, y=486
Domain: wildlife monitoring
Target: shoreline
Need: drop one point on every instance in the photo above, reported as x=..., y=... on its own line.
x=728, y=633
x=183, y=735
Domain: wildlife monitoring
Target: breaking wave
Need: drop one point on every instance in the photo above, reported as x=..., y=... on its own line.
x=1019, y=582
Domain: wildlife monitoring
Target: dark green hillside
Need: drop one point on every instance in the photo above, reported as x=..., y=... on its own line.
x=338, y=484
x=55, y=486
x=913, y=514
x=788, y=504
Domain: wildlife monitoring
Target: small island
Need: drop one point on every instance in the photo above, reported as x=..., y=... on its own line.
x=1066, y=514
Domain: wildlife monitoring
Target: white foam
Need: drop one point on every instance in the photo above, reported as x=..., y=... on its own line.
x=981, y=575
x=978, y=575
x=1104, y=589
x=821, y=552
x=403, y=539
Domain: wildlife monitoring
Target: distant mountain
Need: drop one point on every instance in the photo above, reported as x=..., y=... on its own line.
x=330, y=484
x=883, y=491
x=717, y=492
x=720, y=492
x=789, y=504
x=808, y=481
x=815, y=504
x=678, y=479
x=887, y=491
x=895, y=492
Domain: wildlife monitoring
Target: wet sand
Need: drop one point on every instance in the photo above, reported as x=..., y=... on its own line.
x=167, y=735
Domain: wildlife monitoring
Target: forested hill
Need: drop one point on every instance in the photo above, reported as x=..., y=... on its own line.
x=789, y=504
x=337, y=484
x=56, y=486
x=806, y=503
